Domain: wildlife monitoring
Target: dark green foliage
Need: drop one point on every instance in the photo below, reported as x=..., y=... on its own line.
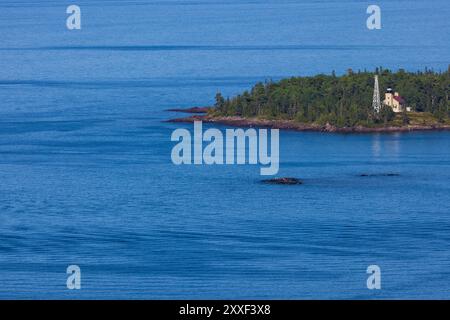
x=405, y=118
x=386, y=115
x=220, y=102
x=343, y=101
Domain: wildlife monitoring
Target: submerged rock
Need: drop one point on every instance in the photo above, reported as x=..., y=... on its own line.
x=285, y=181
x=379, y=175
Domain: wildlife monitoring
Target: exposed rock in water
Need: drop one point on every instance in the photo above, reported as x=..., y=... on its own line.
x=191, y=110
x=380, y=175
x=285, y=181
x=191, y=119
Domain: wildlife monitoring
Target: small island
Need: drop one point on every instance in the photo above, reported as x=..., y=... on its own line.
x=347, y=103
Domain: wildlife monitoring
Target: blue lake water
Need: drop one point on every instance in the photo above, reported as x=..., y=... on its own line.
x=86, y=176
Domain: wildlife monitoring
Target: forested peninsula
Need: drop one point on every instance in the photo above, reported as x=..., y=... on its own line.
x=409, y=101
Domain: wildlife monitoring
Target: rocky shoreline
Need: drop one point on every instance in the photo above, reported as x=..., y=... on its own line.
x=235, y=121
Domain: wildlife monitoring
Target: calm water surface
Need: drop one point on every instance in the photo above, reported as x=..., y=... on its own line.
x=86, y=176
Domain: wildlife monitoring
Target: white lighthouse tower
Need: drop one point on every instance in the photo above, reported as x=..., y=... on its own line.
x=376, y=102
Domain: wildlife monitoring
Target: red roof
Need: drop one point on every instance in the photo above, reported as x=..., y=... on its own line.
x=399, y=99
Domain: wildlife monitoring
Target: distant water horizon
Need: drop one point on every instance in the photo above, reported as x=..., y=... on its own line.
x=87, y=179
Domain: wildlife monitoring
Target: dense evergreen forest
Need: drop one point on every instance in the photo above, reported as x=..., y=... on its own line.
x=341, y=100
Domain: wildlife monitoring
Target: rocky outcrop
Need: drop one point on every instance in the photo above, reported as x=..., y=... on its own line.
x=389, y=174
x=191, y=110
x=284, y=181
